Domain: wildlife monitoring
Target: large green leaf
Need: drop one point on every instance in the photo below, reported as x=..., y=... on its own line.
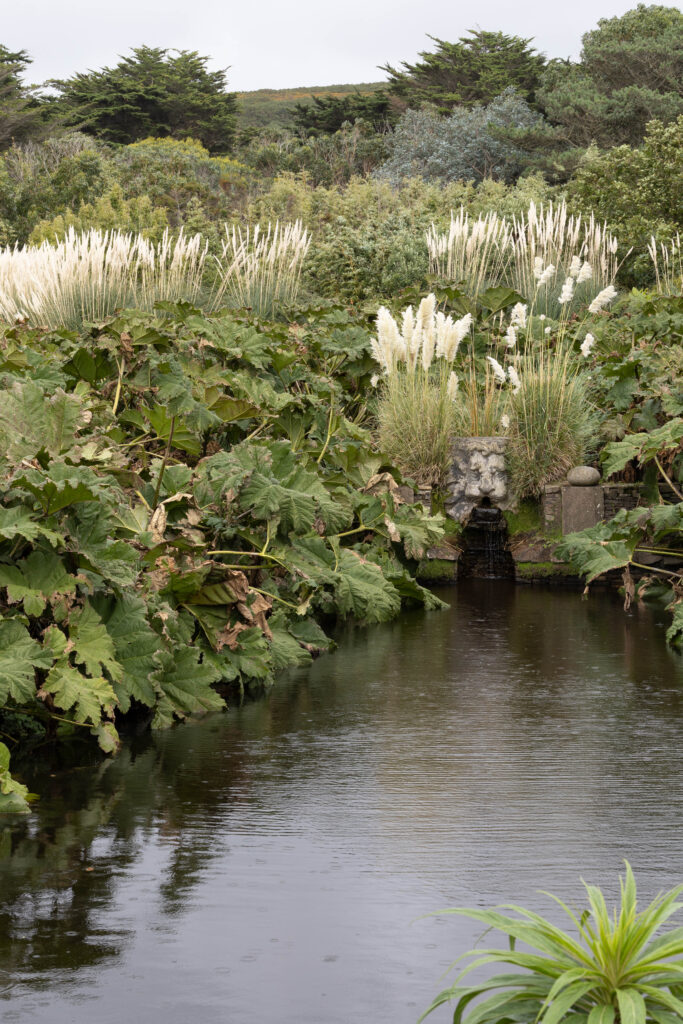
x=184, y=681
x=363, y=591
x=87, y=698
x=32, y=421
x=136, y=648
x=20, y=656
x=36, y=580
x=20, y=522
x=93, y=647
x=62, y=485
x=12, y=793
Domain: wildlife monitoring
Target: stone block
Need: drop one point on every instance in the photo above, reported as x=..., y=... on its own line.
x=581, y=507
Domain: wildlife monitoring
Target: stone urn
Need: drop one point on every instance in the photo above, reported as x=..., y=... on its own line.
x=477, y=476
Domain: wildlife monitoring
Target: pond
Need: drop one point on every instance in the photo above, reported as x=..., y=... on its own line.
x=274, y=863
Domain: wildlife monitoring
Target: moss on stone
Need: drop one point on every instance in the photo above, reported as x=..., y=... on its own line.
x=437, y=570
x=526, y=518
x=452, y=528
x=541, y=570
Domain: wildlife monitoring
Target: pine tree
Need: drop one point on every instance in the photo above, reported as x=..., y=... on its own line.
x=20, y=111
x=630, y=73
x=152, y=92
x=473, y=70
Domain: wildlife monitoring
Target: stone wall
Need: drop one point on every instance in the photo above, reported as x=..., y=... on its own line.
x=619, y=495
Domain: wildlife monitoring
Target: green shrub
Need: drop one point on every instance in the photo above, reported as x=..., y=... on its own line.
x=111, y=212
x=611, y=969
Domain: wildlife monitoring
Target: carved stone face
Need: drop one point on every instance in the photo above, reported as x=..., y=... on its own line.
x=477, y=472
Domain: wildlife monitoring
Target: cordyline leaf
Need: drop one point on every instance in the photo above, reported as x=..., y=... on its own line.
x=20, y=656
x=602, y=1015
x=136, y=648
x=36, y=580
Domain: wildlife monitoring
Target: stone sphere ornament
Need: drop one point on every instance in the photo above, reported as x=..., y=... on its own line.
x=583, y=476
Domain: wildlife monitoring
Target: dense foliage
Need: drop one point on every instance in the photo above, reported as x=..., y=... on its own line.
x=326, y=114
x=630, y=72
x=189, y=500
x=175, y=515
x=151, y=92
x=474, y=70
x=469, y=144
x=20, y=114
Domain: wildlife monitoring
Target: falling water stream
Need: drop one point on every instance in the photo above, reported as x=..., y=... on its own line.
x=274, y=863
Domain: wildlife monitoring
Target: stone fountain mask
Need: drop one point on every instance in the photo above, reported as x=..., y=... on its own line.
x=477, y=473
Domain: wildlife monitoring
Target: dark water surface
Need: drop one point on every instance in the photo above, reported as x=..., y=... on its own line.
x=270, y=865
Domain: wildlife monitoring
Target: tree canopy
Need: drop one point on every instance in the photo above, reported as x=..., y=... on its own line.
x=20, y=114
x=475, y=69
x=630, y=72
x=152, y=92
x=326, y=114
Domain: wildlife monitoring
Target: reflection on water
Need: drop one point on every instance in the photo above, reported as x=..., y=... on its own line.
x=273, y=863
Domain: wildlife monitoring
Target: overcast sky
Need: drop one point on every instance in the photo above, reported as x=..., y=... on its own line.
x=276, y=44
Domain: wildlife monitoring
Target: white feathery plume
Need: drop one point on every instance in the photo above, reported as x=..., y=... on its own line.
x=505, y=421
x=513, y=377
x=585, y=274
x=498, y=371
x=587, y=345
x=603, y=299
x=511, y=336
x=452, y=386
x=408, y=326
x=518, y=315
x=575, y=266
x=425, y=311
x=547, y=275
x=567, y=293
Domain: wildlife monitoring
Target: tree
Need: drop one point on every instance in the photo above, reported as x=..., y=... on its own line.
x=20, y=113
x=630, y=72
x=473, y=70
x=152, y=92
x=326, y=114
x=468, y=145
x=638, y=191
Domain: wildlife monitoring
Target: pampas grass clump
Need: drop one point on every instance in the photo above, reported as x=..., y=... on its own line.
x=536, y=253
x=553, y=422
x=89, y=275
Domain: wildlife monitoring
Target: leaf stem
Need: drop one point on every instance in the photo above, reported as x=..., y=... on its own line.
x=117, y=396
x=163, y=464
x=668, y=479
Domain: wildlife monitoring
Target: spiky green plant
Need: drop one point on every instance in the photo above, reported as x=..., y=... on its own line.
x=617, y=970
